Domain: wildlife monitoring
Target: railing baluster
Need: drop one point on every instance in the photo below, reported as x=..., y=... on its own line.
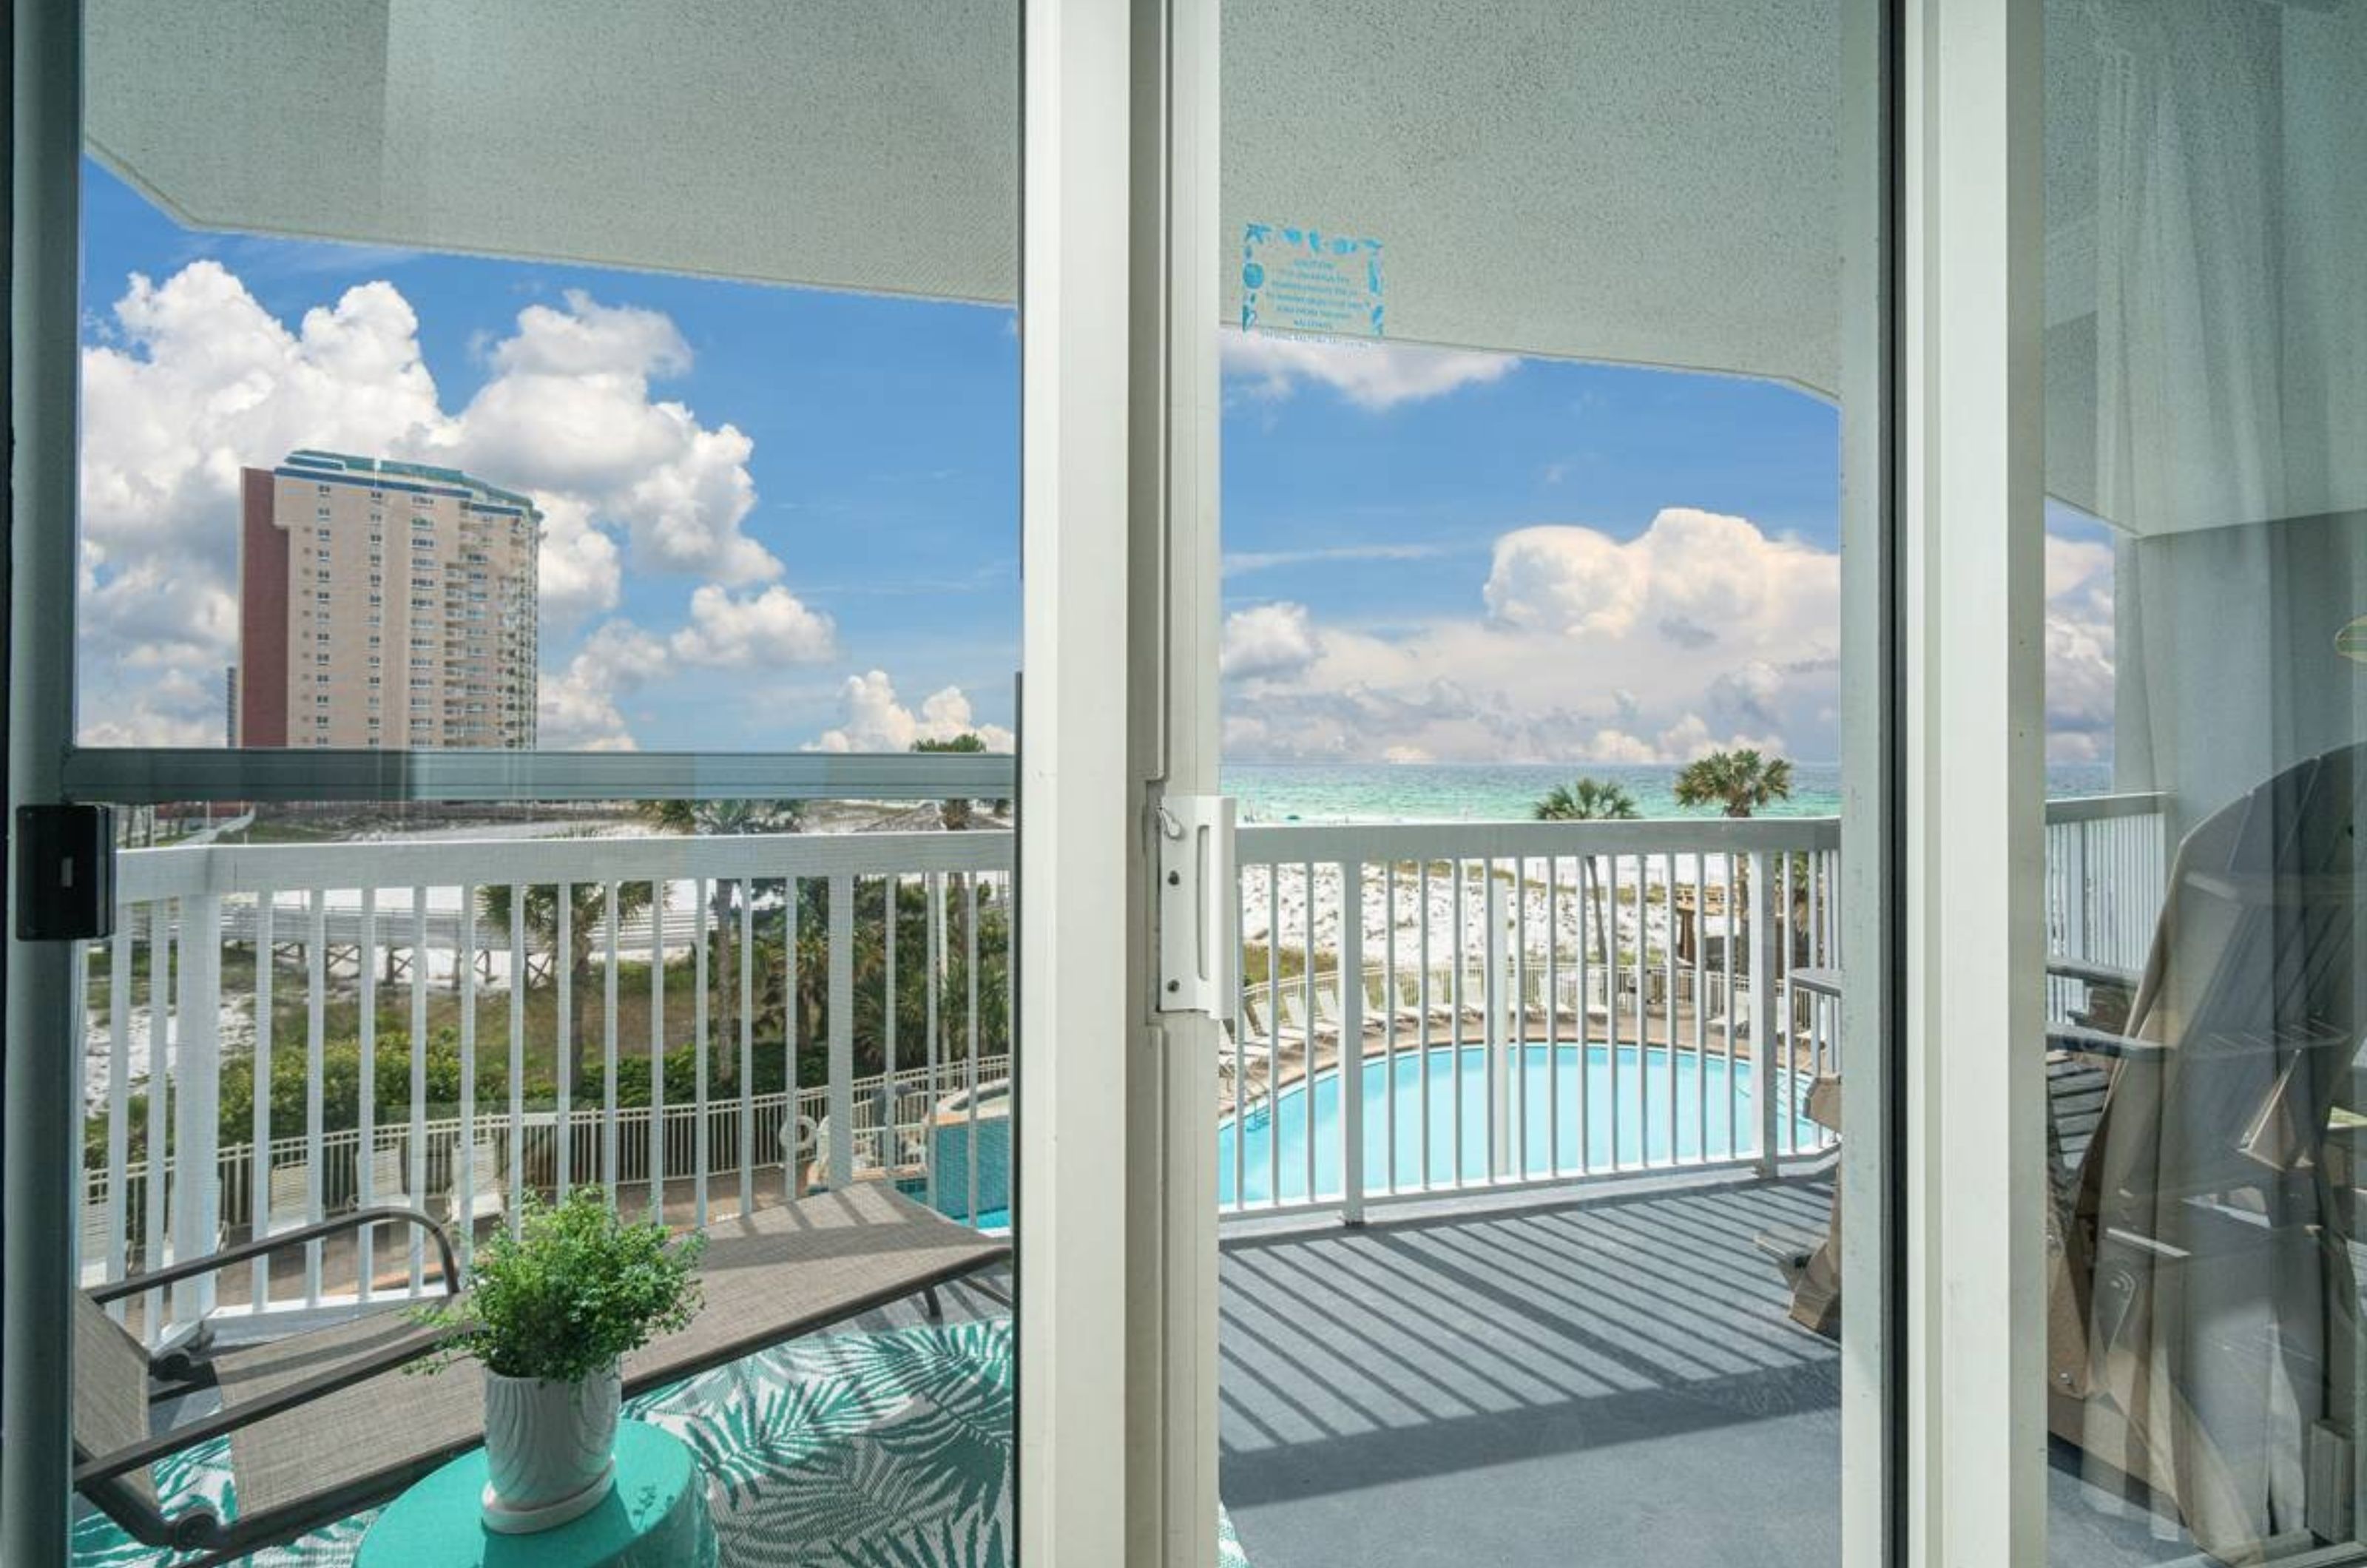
x=119, y=1096
x=1611, y=998
x=154, y=1251
x=366, y=1153
x=841, y=1174
x=1423, y=1039
x=1352, y=1042
x=1725, y=963
x=1388, y=1002
x=418, y=1149
x=1494, y=1087
x=1553, y=1015
x=1766, y=1070
x=1518, y=1020
x=566, y=1049
x=1668, y=990
x=464, y=1155
x=197, y=1103
x=1590, y=934
x=656, y=1141
x=1643, y=1010
x=609, y=1066
x=1273, y=1034
x=1457, y=998
x=890, y=1141
x=935, y=884
x=1701, y=1003
x=1311, y=1019
x=970, y=964
x=316, y=1003
x=702, y=891
x=511, y=1200
x=747, y=1045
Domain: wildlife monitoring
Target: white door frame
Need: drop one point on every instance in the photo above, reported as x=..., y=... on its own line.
x=1177, y=413
x=43, y=1122
x=1972, y=593
x=1116, y=1101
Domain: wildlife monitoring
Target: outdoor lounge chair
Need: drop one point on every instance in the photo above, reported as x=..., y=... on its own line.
x=317, y=1431
x=94, y=1245
x=2201, y=1298
x=485, y=1197
x=291, y=1198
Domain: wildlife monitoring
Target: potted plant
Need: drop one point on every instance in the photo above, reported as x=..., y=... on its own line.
x=550, y=1311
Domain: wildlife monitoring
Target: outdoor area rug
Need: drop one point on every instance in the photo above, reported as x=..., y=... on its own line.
x=849, y=1451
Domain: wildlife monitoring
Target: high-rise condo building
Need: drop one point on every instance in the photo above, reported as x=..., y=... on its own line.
x=384, y=603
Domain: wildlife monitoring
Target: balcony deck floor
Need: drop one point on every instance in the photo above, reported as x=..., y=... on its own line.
x=1610, y=1380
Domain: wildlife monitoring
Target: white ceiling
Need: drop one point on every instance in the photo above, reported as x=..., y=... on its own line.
x=1652, y=181
x=1648, y=180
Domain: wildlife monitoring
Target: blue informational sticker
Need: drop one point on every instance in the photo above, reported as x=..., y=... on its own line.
x=1299, y=279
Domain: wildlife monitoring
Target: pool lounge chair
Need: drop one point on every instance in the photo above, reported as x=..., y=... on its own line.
x=317, y=1432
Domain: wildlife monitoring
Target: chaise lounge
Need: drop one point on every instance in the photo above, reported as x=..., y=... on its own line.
x=317, y=1432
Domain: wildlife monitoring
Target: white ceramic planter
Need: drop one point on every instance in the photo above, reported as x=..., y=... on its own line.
x=550, y=1449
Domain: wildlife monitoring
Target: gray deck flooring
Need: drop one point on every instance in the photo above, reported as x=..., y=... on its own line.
x=1610, y=1380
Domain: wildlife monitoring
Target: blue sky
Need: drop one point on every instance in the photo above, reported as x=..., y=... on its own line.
x=786, y=518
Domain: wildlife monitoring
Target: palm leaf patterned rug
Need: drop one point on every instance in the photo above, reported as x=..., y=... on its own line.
x=849, y=1451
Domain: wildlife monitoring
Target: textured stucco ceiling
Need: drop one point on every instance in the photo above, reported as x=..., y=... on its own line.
x=1648, y=180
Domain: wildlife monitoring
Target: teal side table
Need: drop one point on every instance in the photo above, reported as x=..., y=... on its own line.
x=656, y=1518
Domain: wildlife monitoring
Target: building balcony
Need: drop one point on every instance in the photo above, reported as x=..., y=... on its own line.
x=1580, y=1059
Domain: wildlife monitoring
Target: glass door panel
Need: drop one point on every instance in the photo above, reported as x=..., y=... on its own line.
x=1541, y=442
x=548, y=611
x=2206, y=557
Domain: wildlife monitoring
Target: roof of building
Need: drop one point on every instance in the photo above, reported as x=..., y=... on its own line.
x=385, y=473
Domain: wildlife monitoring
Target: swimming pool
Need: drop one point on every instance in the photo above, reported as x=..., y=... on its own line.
x=1710, y=1108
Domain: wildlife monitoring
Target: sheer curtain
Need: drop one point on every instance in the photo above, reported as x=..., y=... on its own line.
x=2206, y=1313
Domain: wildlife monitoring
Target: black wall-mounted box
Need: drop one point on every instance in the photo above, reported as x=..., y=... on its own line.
x=66, y=873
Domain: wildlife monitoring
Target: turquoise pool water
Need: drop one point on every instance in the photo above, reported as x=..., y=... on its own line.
x=1635, y=1083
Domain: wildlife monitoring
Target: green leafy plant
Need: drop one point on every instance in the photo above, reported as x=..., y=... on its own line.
x=575, y=1288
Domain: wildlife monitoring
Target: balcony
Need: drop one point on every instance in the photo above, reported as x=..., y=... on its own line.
x=1582, y=1054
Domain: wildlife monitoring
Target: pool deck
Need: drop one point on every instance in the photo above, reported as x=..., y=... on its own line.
x=1605, y=1378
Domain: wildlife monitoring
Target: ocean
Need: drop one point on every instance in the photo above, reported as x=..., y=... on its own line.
x=1451, y=792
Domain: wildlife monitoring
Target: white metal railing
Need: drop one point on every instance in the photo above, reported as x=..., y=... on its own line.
x=347, y=924
x=1534, y=1003
x=902, y=1141
x=2107, y=870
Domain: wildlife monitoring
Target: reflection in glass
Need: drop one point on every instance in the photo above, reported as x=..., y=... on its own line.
x=2207, y=552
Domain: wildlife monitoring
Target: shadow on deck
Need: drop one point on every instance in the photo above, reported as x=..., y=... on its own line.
x=1609, y=1379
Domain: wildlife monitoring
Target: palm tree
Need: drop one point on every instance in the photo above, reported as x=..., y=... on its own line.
x=1739, y=782
x=587, y=912
x=956, y=815
x=726, y=817
x=1589, y=800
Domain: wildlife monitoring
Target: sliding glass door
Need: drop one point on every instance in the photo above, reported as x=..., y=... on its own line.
x=2205, y=544
x=1553, y=649
x=533, y=563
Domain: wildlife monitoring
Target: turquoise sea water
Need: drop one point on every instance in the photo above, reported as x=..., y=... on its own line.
x=1420, y=792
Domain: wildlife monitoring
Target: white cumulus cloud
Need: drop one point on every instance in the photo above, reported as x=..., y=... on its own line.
x=1370, y=374
x=577, y=704
x=874, y=719
x=1699, y=631
x=1267, y=640
x=757, y=631
x=2080, y=650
